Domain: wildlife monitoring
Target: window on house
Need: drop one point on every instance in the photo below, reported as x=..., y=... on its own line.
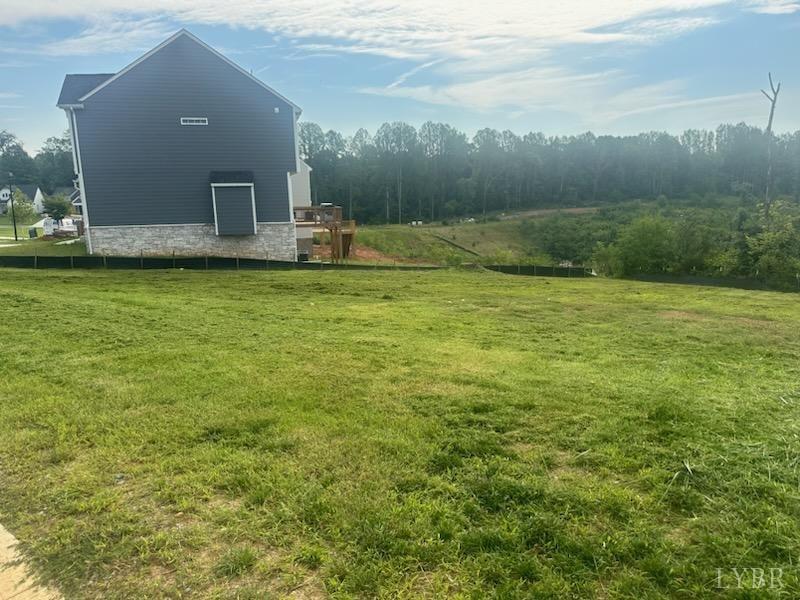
x=194, y=120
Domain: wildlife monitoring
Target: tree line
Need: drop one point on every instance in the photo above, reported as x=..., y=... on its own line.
x=51, y=168
x=437, y=172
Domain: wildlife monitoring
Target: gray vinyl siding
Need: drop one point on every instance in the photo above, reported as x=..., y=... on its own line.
x=141, y=166
x=234, y=211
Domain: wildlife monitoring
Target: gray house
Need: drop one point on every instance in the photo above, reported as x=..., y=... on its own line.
x=183, y=151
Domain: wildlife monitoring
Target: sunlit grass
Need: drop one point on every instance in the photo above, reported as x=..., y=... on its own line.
x=223, y=434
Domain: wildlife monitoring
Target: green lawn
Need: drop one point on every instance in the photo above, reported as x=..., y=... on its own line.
x=7, y=227
x=40, y=247
x=412, y=243
x=404, y=434
x=503, y=241
x=493, y=242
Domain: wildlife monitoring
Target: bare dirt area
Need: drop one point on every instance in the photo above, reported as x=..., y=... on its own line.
x=16, y=580
x=366, y=254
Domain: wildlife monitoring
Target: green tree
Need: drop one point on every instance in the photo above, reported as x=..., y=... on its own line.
x=57, y=207
x=647, y=245
x=14, y=159
x=24, y=212
x=54, y=163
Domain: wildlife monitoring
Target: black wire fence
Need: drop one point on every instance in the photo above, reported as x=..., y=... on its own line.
x=253, y=264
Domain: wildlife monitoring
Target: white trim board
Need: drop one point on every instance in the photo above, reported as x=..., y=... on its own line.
x=84, y=199
x=252, y=187
x=194, y=38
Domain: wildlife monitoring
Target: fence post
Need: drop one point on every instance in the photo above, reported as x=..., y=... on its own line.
x=36, y=258
x=237, y=261
x=71, y=257
x=534, y=270
x=569, y=270
x=206, y=257
x=173, y=259
x=141, y=259
x=105, y=262
x=519, y=269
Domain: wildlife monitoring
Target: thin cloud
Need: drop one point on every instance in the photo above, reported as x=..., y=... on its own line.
x=507, y=55
x=410, y=73
x=775, y=7
x=110, y=36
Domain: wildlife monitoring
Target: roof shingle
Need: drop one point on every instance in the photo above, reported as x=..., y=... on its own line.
x=77, y=86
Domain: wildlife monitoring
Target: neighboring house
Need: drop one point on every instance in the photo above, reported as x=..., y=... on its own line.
x=77, y=202
x=31, y=190
x=183, y=151
x=301, y=196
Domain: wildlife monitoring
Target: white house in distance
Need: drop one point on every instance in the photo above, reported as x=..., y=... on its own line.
x=31, y=190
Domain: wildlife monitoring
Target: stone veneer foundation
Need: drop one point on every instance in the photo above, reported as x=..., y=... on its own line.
x=276, y=241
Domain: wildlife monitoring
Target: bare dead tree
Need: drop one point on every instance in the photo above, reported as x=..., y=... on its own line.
x=773, y=100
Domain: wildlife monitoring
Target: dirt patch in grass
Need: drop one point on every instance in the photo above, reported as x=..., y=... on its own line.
x=363, y=253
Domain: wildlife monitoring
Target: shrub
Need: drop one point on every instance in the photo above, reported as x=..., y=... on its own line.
x=647, y=245
x=58, y=207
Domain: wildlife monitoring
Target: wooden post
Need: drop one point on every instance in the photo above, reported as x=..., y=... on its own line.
x=105, y=262
x=71, y=257
x=35, y=258
x=141, y=259
x=237, y=261
x=206, y=257
x=173, y=259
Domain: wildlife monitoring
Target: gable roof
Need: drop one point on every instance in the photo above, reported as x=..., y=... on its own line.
x=76, y=86
x=29, y=189
x=183, y=32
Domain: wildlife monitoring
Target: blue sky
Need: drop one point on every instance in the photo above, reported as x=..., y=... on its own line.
x=612, y=66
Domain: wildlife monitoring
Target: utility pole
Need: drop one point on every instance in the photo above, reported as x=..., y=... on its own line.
x=11, y=202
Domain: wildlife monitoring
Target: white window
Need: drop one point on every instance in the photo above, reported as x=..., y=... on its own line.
x=194, y=120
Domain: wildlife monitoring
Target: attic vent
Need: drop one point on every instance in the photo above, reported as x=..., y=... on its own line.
x=194, y=120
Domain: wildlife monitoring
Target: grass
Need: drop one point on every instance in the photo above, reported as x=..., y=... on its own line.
x=7, y=227
x=412, y=243
x=41, y=247
x=362, y=434
x=485, y=243
x=500, y=241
